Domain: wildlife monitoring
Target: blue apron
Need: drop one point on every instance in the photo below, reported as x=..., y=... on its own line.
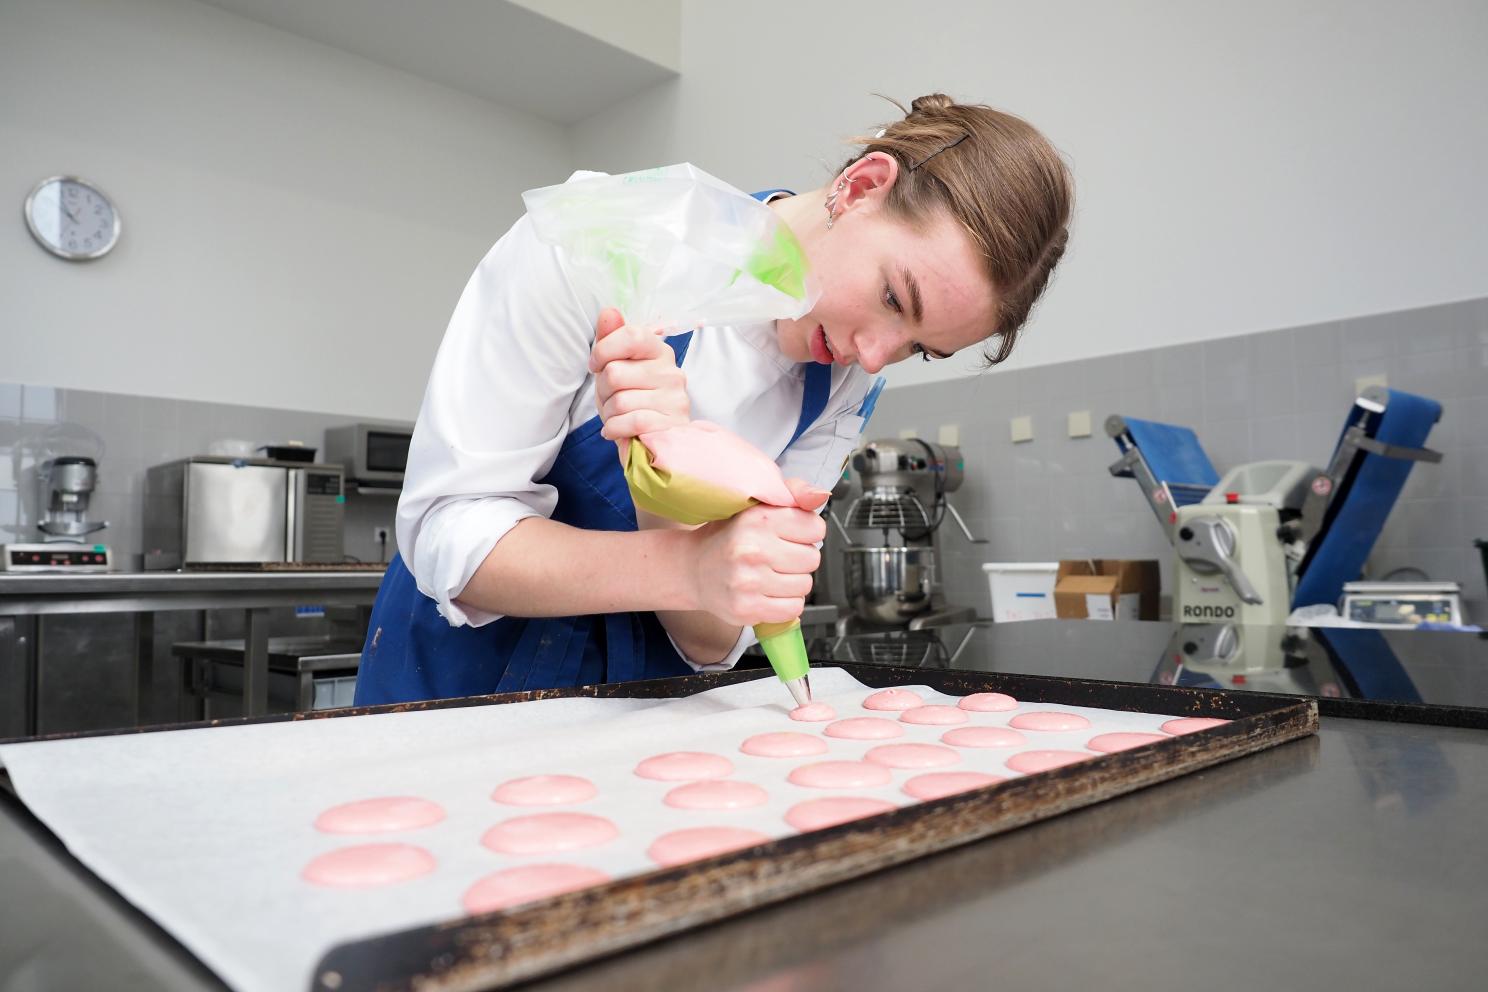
x=412, y=653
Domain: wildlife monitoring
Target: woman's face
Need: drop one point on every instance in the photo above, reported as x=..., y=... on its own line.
x=890, y=290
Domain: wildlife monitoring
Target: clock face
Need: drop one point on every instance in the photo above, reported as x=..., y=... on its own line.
x=72, y=219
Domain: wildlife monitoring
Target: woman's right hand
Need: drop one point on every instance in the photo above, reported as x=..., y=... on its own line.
x=756, y=567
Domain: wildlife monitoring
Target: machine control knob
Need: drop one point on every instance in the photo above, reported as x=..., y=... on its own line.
x=1186, y=533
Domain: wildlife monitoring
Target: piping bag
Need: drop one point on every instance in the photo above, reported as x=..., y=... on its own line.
x=677, y=247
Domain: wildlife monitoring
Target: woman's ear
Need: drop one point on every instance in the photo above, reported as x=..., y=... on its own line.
x=869, y=180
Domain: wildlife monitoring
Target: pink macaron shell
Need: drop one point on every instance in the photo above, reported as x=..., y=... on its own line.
x=818, y=814
x=912, y=755
x=783, y=744
x=892, y=699
x=385, y=814
x=840, y=775
x=696, y=843
x=1049, y=721
x=1033, y=762
x=367, y=866
x=1122, y=741
x=935, y=785
x=934, y=715
x=988, y=702
x=864, y=728
x=528, y=883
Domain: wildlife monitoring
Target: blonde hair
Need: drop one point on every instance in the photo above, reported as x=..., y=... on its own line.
x=1000, y=179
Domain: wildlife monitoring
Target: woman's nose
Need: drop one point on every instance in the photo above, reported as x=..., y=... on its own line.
x=876, y=348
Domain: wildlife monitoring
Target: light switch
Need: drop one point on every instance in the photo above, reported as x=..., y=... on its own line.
x=1365, y=381
x=1021, y=429
x=950, y=434
x=1079, y=423
x=907, y=433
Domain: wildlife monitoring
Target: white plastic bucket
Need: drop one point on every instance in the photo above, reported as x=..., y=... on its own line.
x=1022, y=590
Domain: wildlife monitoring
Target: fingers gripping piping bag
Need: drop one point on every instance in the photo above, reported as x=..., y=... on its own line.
x=676, y=247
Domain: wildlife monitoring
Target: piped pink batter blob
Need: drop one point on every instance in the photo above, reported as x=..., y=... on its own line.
x=988, y=702
x=892, y=699
x=1121, y=741
x=813, y=713
x=696, y=843
x=840, y=775
x=528, y=883
x=911, y=755
x=366, y=866
x=545, y=790
x=717, y=794
x=704, y=451
x=541, y=833
x=934, y=715
x=382, y=815
x=983, y=737
x=1032, y=762
x=934, y=785
x=1191, y=724
x=1049, y=720
x=684, y=766
x=785, y=744
x=818, y=814
x=864, y=728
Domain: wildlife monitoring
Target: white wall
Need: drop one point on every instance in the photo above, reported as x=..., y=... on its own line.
x=1240, y=166
x=297, y=222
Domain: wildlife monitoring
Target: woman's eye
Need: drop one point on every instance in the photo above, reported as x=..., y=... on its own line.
x=920, y=350
x=890, y=300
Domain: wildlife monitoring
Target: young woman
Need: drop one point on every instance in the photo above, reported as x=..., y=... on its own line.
x=523, y=562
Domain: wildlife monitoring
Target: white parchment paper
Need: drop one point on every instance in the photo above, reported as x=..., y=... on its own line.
x=207, y=830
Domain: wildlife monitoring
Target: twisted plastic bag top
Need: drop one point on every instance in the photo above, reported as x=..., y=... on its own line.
x=675, y=247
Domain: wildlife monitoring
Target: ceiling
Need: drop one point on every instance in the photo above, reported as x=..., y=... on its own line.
x=494, y=49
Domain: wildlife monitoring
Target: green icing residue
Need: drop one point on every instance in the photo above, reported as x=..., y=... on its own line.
x=780, y=262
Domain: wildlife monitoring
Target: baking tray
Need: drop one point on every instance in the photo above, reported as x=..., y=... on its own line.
x=498, y=949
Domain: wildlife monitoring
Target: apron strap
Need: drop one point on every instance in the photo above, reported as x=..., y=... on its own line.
x=814, y=399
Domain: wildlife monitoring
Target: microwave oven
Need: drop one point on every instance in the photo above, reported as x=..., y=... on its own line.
x=210, y=510
x=373, y=456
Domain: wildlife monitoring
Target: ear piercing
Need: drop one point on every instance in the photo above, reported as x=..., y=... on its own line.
x=831, y=204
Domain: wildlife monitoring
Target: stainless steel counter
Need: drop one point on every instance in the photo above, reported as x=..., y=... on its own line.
x=26, y=599
x=1350, y=860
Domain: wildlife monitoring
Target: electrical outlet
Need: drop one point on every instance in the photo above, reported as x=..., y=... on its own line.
x=380, y=535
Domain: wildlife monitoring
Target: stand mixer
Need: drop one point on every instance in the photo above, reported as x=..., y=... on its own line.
x=894, y=582
x=68, y=482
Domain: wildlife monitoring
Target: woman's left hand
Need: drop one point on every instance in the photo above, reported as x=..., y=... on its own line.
x=637, y=385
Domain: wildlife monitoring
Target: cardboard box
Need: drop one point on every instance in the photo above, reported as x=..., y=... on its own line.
x=1107, y=589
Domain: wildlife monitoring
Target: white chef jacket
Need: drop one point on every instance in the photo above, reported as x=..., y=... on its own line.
x=511, y=381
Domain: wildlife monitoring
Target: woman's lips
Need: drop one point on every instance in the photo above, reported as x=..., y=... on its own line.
x=820, y=352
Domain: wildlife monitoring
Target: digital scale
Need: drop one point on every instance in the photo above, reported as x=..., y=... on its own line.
x=1403, y=604
x=55, y=557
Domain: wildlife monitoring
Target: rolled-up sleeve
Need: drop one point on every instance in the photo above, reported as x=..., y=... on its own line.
x=501, y=394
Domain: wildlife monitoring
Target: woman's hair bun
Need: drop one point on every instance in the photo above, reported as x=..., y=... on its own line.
x=931, y=103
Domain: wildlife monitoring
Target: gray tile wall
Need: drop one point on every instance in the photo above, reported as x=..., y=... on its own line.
x=128, y=434
x=85, y=665
x=1276, y=394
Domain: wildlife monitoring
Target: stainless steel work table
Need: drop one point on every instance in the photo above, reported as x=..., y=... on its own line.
x=24, y=599
x=1349, y=860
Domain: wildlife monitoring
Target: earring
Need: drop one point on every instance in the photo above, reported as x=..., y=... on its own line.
x=831, y=204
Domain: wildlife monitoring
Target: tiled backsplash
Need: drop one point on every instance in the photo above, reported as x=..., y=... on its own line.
x=1277, y=394
x=128, y=434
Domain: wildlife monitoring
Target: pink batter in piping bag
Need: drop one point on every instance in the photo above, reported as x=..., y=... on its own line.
x=699, y=472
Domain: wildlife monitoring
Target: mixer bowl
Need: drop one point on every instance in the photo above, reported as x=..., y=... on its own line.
x=889, y=585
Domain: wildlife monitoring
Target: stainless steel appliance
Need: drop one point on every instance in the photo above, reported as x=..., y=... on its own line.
x=67, y=484
x=894, y=581
x=373, y=455
x=211, y=510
